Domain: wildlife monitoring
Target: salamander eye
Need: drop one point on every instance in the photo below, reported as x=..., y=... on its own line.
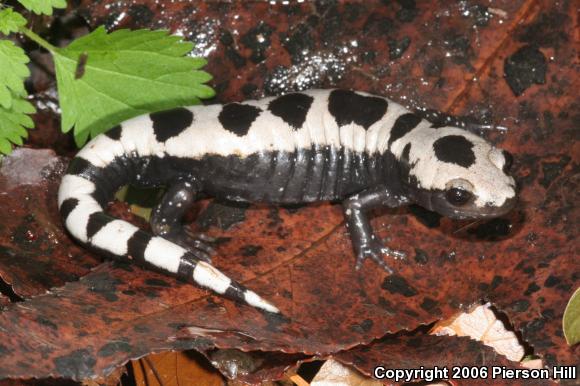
x=457, y=196
x=509, y=160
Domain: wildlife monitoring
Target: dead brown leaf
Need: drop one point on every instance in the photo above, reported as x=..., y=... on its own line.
x=174, y=369
x=301, y=258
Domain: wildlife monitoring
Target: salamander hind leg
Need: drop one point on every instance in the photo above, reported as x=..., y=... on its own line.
x=365, y=243
x=166, y=220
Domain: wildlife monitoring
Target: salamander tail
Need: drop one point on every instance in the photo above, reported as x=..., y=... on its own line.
x=210, y=277
x=85, y=219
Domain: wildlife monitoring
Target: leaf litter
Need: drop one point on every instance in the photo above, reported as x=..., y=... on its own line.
x=301, y=259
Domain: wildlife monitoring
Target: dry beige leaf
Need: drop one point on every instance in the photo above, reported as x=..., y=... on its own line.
x=481, y=324
x=533, y=364
x=333, y=373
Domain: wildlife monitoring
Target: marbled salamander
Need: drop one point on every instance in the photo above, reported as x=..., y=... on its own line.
x=302, y=147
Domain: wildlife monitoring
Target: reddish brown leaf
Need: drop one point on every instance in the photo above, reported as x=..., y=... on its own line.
x=35, y=252
x=301, y=258
x=477, y=362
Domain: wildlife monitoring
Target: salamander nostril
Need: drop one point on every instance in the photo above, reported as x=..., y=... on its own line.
x=509, y=159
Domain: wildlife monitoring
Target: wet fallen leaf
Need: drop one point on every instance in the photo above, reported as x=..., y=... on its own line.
x=441, y=55
x=35, y=252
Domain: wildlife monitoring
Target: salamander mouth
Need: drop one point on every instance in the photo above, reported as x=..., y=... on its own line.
x=436, y=202
x=471, y=212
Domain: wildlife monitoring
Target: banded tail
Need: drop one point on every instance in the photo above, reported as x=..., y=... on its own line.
x=84, y=191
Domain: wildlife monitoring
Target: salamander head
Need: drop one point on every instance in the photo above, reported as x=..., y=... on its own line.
x=456, y=173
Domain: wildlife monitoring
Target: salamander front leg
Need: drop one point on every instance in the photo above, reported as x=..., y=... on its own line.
x=166, y=220
x=365, y=242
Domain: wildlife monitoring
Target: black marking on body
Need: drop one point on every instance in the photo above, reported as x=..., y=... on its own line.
x=349, y=107
x=455, y=149
x=292, y=108
x=405, y=164
x=405, y=153
x=68, y=206
x=331, y=175
x=170, y=123
x=282, y=169
x=296, y=179
x=114, y=133
x=106, y=180
x=186, y=267
x=235, y=291
x=315, y=174
x=237, y=118
x=403, y=125
x=137, y=244
x=80, y=167
x=306, y=175
x=96, y=222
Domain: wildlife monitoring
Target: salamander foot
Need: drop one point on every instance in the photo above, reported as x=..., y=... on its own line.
x=375, y=251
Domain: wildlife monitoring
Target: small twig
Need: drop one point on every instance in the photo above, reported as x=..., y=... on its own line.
x=467, y=226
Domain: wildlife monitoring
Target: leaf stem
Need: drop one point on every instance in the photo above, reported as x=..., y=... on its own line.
x=40, y=41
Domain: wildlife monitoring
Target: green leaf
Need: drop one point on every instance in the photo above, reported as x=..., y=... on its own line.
x=571, y=320
x=104, y=79
x=42, y=6
x=13, y=123
x=13, y=107
x=13, y=70
x=10, y=21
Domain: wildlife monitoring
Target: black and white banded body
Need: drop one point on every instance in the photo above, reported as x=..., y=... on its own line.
x=317, y=145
